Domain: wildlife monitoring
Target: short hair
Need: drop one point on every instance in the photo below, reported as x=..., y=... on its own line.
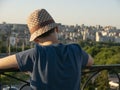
x=47, y=33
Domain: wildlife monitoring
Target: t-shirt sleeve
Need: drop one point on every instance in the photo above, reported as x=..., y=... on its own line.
x=83, y=55
x=26, y=59
x=85, y=58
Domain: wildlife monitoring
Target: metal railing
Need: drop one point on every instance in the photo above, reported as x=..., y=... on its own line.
x=93, y=71
x=3, y=72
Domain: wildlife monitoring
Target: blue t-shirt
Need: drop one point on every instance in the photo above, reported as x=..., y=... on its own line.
x=53, y=67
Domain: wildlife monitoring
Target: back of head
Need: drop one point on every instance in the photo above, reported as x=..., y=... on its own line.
x=40, y=22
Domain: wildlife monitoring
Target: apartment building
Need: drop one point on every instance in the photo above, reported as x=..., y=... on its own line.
x=19, y=33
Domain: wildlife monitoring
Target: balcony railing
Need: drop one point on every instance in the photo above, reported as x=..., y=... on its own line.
x=96, y=69
x=92, y=71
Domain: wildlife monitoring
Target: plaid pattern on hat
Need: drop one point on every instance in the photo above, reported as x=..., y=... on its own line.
x=39, y=22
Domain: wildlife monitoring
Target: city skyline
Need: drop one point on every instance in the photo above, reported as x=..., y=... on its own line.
x=68, y=12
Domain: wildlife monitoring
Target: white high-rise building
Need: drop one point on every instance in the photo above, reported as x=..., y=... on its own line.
x=98, y=36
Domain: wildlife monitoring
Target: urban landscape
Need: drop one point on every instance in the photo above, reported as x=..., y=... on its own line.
x=19, y=33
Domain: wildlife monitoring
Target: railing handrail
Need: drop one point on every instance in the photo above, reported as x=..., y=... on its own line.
x=104, y=66
x=93, y=67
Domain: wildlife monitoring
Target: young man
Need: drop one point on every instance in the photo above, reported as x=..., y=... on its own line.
x=52, y=65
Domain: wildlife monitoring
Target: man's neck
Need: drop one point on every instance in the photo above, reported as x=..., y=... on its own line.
x=49, y=43
x=49, y=40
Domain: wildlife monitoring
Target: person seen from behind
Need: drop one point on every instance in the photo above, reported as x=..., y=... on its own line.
x=51, y=64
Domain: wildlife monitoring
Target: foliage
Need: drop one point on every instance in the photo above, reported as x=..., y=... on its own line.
x=3, y=49
x=115, y=59
x=84, y=79
x=103, y=53
x=11, y=81
x=101, y=82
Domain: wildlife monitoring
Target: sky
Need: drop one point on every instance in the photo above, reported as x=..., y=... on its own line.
x=67, y=12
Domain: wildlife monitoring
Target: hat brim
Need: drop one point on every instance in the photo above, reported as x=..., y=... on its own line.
x=42, y=31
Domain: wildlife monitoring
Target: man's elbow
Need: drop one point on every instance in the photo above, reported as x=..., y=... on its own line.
x=90, y=61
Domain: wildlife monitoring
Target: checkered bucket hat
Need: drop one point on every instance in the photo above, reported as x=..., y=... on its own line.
x=39, y=22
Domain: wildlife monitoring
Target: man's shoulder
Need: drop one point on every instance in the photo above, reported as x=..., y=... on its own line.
x=27, y=52
x=74, y=45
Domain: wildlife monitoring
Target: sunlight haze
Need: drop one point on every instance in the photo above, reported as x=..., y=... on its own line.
x=68, y=12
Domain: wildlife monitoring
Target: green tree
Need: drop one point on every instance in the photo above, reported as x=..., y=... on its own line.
x=11, y=81
x=103, y=56
x=115, y=59
x=102, y=82
x=93, y=50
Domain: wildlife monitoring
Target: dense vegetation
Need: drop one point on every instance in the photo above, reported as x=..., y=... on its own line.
x=103, y=54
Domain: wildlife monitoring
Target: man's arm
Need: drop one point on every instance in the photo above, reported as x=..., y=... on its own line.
x=90, y=61
x=8, y=62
